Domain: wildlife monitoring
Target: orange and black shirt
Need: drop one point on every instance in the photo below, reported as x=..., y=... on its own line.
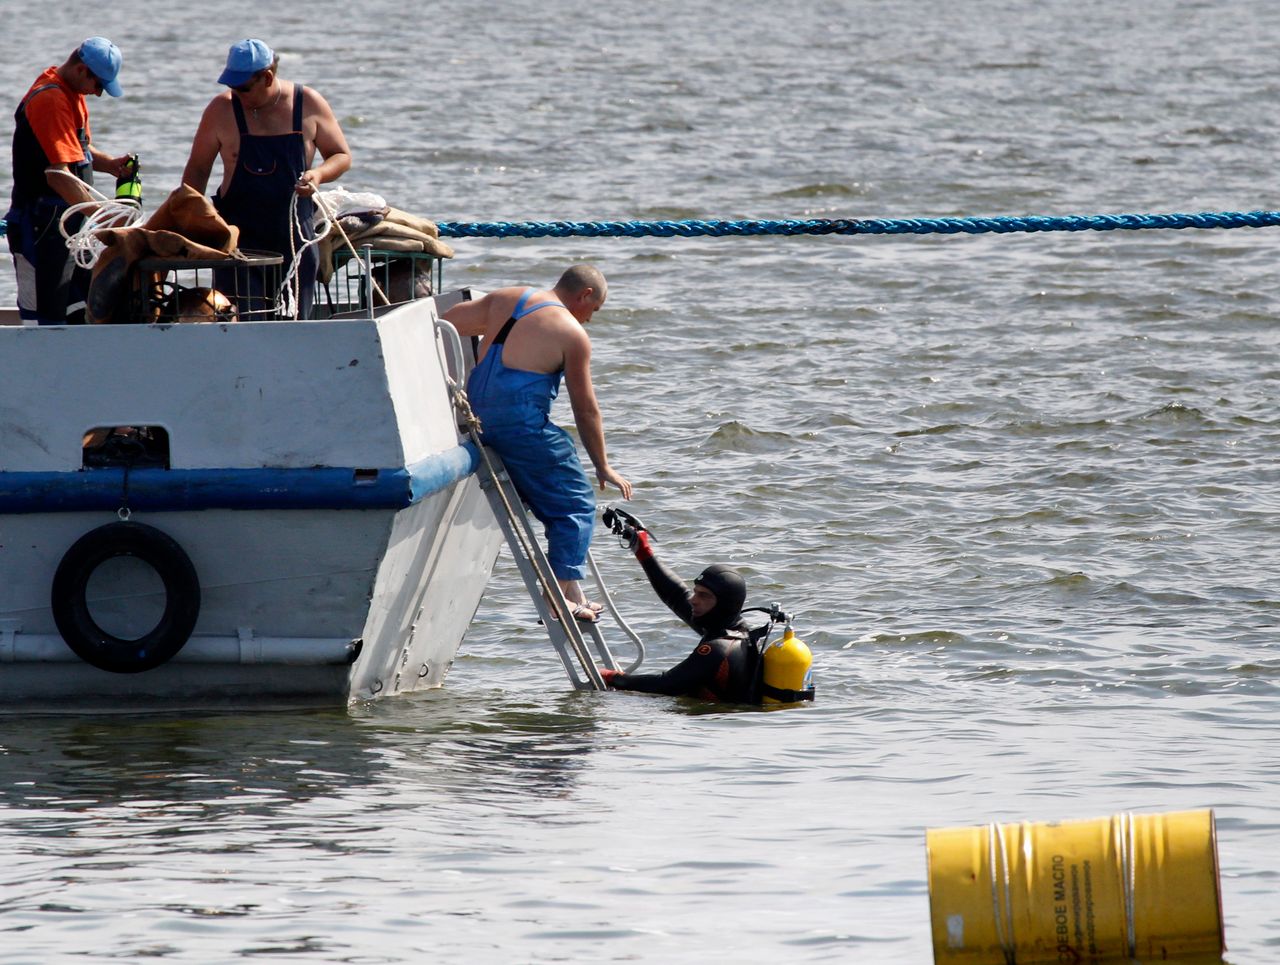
x=51, y=126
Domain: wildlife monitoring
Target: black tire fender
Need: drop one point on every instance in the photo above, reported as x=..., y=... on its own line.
x=71, y=610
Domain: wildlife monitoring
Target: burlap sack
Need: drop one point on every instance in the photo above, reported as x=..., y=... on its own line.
x=190, y=213
x=413, y=221
x=186, y=225
x=109, y=289
x=396, y=231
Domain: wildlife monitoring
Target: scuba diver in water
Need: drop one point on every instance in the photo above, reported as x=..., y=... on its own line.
x=723, y=665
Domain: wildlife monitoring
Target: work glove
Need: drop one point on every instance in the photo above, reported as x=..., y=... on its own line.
x=608, y=675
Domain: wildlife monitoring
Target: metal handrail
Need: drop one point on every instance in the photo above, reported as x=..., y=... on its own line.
x=613, y=610
x=452, y=342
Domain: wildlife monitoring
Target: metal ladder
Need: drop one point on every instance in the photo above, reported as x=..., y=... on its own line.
x=568, y=636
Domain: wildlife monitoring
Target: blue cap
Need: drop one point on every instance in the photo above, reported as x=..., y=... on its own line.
x=245, y=59
x=103, y=58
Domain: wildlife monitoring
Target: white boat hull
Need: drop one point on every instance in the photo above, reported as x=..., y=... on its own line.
x=315, y=479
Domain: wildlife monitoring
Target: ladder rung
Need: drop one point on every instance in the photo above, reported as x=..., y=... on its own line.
x=566, y=636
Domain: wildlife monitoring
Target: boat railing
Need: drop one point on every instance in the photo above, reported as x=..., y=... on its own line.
x=370, y=281
x=457, y=363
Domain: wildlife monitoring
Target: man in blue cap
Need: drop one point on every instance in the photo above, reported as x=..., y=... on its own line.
x=267, y=132
x=53, y=160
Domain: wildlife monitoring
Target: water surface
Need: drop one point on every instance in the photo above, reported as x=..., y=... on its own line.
x=1022, y=491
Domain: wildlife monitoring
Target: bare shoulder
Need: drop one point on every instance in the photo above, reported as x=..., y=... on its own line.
x=313, y=102
x=502, y=301
x=481, y=315
x=218, y=110
x=575, y=348
x=575, y=331
x=218, y=120
x=570, y=334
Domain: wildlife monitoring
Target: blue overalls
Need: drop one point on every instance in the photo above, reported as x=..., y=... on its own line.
x=52, y=288
x=258, y=200
x=514, y=406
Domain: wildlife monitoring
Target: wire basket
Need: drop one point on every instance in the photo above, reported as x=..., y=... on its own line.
x=397, y=277
x=235, y=288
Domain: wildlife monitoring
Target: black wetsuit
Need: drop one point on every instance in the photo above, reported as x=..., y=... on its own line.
x=722, y=665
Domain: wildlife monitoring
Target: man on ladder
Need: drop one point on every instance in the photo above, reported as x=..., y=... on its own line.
x=531, y=338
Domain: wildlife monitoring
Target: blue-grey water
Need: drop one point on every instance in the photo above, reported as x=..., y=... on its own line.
x=1022, y=491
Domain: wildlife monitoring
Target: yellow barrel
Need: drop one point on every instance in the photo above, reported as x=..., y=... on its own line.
x=1139, y=886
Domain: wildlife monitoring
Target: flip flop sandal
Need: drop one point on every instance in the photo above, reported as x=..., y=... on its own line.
x=582, y=612
x=585, y=613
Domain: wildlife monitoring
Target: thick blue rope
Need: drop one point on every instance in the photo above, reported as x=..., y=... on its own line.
x=850, y=226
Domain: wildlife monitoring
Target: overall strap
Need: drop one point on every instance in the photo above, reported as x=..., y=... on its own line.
x=240, y=123
x=520, y=311
x=516, y=315
x=504, y=331
x=22, y=107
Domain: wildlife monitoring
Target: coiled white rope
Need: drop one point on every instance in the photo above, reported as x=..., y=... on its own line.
x=99, y=215
x=287, y=298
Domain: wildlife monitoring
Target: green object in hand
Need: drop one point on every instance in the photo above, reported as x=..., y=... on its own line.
x=129, y=185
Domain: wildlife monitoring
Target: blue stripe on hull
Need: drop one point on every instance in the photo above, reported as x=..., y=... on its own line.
x=170, y=490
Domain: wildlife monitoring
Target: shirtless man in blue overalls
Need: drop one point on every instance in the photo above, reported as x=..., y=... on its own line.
x=532, y=338
x=267, y=132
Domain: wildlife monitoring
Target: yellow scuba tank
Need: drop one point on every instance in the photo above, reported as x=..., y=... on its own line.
x=788, y=670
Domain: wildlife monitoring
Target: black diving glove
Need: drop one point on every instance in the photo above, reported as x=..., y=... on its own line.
x=629, y=530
